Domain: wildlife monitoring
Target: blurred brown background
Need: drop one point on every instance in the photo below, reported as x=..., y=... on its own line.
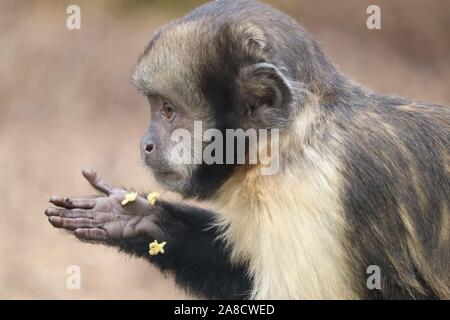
x=66, y=102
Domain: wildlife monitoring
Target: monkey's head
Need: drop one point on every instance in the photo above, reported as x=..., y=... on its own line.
x=219, y=65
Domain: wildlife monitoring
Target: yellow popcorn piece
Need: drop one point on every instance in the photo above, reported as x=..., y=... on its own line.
x=129, y=197
x=156, y=248
x=152, y=197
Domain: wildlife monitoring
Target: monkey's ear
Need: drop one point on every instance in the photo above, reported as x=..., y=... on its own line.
x=267, y=95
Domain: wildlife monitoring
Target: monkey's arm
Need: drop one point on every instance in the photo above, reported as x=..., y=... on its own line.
x=193, y=253
x=198, y=259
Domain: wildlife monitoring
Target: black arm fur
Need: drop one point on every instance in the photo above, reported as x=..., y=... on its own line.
x=197, y=258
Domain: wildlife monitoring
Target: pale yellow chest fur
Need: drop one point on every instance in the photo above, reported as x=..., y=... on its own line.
x=289, y=228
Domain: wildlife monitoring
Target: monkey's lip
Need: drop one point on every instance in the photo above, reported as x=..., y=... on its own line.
x=166, y=174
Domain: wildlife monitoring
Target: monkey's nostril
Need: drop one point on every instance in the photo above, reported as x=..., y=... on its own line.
x=149, y=148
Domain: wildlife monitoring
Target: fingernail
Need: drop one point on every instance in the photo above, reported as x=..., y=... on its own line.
x=55, y=198
x=55, y=221
x=50, y=211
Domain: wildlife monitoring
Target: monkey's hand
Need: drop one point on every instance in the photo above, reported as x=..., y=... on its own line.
x=104, y=219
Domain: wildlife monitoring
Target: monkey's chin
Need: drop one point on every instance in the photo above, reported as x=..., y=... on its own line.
x=170, y=180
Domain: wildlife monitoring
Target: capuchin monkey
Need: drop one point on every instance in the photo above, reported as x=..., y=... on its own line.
x=363, y=179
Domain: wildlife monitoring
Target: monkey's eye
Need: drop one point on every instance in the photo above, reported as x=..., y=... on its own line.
x=168, y=111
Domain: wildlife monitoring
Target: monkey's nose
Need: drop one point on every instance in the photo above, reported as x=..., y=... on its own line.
x=149, y=148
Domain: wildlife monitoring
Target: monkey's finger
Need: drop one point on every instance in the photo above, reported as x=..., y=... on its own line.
x=73, y=203
x=95, y=234
x=64, y=213
x=93, y=178
x=72, y=224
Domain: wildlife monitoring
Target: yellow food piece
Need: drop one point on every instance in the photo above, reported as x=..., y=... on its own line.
x=129, y=197
x=156, y=248
x=152, y=197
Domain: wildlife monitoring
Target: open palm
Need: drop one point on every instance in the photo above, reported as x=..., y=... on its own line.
x=104, y=218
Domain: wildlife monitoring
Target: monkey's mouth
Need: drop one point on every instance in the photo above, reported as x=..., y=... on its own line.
x=161, y=171
x=168, y=179
x=165, y=174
